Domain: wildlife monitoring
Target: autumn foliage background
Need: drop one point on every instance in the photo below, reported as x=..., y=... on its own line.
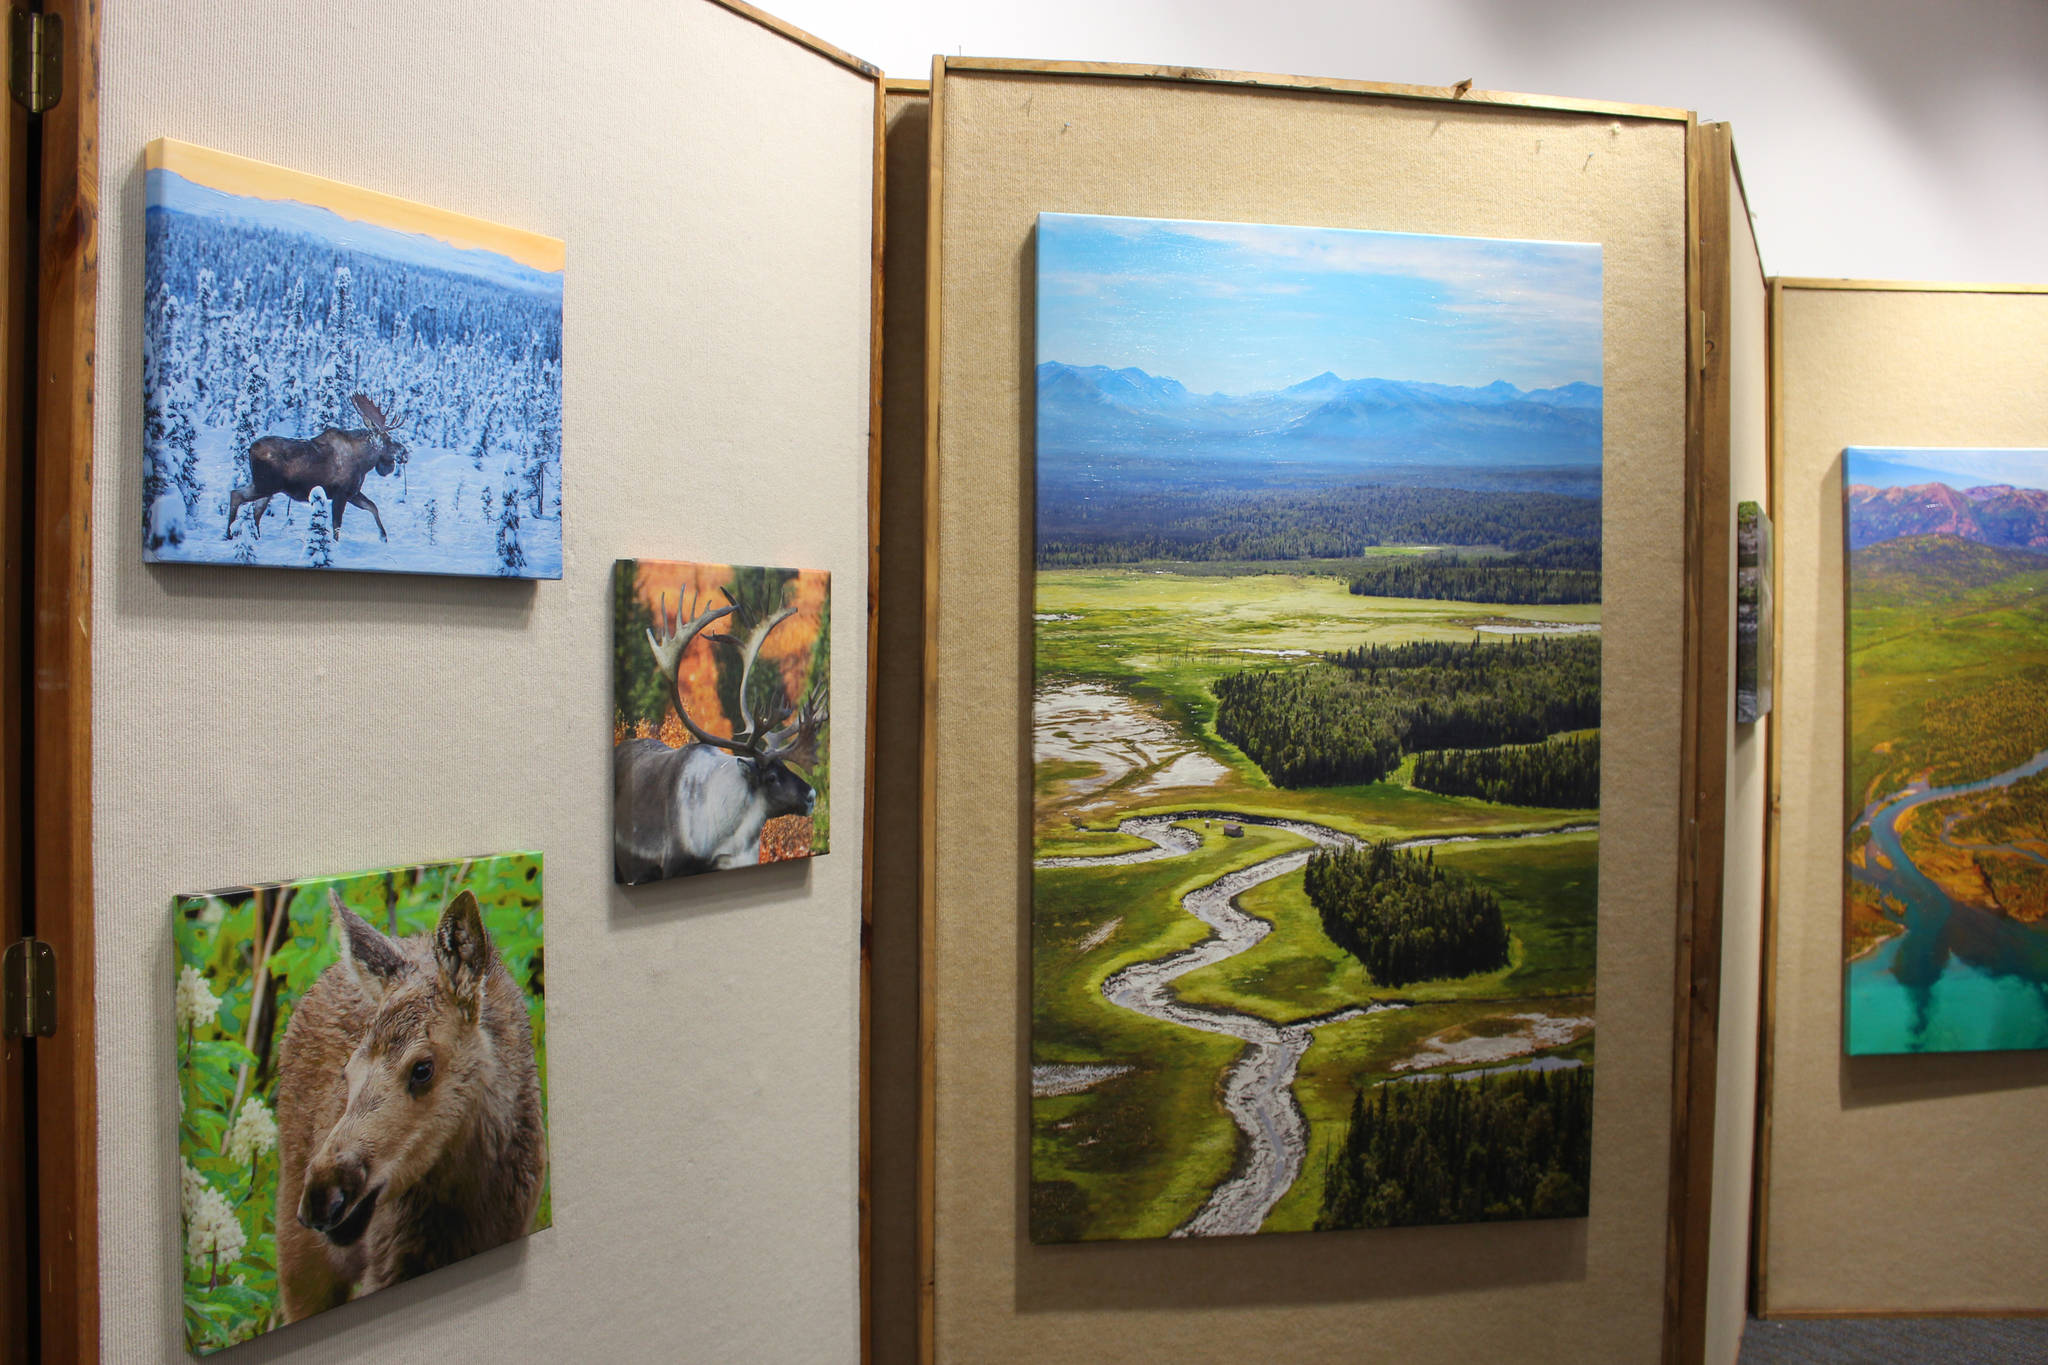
x=795, y=661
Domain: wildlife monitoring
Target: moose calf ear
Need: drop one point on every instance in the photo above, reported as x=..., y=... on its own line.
x=371, y=958
x=463, y=950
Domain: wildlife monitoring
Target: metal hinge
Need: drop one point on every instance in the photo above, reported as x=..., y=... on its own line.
x=35, y=59
x=28, y=982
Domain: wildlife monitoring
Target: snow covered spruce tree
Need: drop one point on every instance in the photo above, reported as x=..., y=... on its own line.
x=320, y=536
x=511, y=554
x=332, y=405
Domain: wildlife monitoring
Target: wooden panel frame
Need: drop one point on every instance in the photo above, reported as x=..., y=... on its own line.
x=1779, y=286
x=1703, y=765
x=67, y=1128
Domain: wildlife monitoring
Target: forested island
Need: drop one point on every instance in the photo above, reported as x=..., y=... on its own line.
x=1352, y=717
x=1562, y=771
x=1404, y=917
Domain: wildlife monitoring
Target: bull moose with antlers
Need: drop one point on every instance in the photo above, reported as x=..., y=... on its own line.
x=702, y=807
x=335, y=462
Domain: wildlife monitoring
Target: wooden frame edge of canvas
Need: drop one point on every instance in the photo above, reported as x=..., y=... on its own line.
x=1462, y=93
x=928, y=807
x=1760, y=1212
x=1680, y=1217
x=67, y=1172
x=878, y=233
x=801, y=37
x=1703, y=760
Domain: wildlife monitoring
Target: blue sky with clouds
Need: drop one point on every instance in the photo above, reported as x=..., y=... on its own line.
x=1236, y=308
x=1965, y=467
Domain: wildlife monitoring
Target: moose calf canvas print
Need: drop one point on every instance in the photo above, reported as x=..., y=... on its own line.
x=334, y=378
x=720, y=734
x=363, y=1085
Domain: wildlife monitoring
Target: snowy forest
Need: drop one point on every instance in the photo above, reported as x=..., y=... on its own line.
x=259, y=325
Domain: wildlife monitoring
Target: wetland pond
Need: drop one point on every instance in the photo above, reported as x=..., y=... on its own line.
x=1959, y=978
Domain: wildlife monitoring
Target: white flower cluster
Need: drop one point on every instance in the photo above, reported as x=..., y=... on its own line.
x=212, y=1232
x=253, y=1132
x=197, y=1004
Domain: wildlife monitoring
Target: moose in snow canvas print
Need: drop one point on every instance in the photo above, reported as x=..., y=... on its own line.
x=720, y=722
x=335, y=378
x=362, y=1067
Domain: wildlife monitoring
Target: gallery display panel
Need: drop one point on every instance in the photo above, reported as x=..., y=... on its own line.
x=252, y=725
x=1879, y=389
x=1016, y=139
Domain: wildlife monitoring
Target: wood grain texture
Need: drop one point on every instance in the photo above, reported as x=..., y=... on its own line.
x=1007, y=145
x=928, y=785
x=1944, y=1142
x=1448, y=94
x=893, y=1092
x=1704, y=768
x=17, y=396
x=67, y=1130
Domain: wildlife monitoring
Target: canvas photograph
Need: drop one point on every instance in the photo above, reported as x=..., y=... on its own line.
x=1752, y=613
x=335, y=378
x=1316, y=729
x=1945, y=905
x=362, y=1066
x=721, y=718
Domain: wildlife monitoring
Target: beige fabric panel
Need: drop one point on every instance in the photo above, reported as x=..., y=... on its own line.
x=714, y=184
x=1897, y=1184
x=1014, y=145
x=1742, y=884
x=894, y=1074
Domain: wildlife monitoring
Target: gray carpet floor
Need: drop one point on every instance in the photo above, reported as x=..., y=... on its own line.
x=1883, y=1341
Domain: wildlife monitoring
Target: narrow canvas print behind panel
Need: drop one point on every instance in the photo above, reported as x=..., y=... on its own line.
x=1317, y=728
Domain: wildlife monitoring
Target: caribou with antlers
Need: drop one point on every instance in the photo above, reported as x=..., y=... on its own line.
x=701, y=807
x=335, y=461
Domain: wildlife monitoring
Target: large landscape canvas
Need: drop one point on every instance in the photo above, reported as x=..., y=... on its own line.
x=362, y=1066
x=335, y=378
x=1316, y=728
x=1945, y=913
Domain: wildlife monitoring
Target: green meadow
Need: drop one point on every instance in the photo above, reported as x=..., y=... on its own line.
x=1138, y=1153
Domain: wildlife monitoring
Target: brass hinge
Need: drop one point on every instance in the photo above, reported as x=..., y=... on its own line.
x=28, y=982
x=35, y=59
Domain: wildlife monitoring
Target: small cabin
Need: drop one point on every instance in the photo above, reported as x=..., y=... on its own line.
x=1233, y=831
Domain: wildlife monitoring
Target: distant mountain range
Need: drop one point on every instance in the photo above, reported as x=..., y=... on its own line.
x=1327, y=420
x=1995, y=514
x=169, y=192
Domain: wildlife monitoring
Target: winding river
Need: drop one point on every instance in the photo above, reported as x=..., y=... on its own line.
x=1258, y=1089
x=1959, y=979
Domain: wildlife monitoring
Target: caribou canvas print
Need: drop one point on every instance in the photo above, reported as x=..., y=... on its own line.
x=1315, y=834
x=1945, y=905
x=363, y=1073
x=720, y=721
x=338, y=379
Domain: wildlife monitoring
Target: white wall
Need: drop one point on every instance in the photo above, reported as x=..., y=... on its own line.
x=1880, y=139
x=714, y=184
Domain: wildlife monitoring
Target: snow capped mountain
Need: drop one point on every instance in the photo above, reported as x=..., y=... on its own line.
x=1324, y=419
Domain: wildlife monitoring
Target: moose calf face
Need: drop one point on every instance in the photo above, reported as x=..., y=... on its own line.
x=414, y=1079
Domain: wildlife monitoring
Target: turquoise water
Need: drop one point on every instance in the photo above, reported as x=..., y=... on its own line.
x=1958, y=979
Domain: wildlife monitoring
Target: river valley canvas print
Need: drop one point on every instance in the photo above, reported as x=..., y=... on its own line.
x=335, y=378
x=363, y=1080
x=721, y=724
x=1316, y=729
x=1946, y=888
